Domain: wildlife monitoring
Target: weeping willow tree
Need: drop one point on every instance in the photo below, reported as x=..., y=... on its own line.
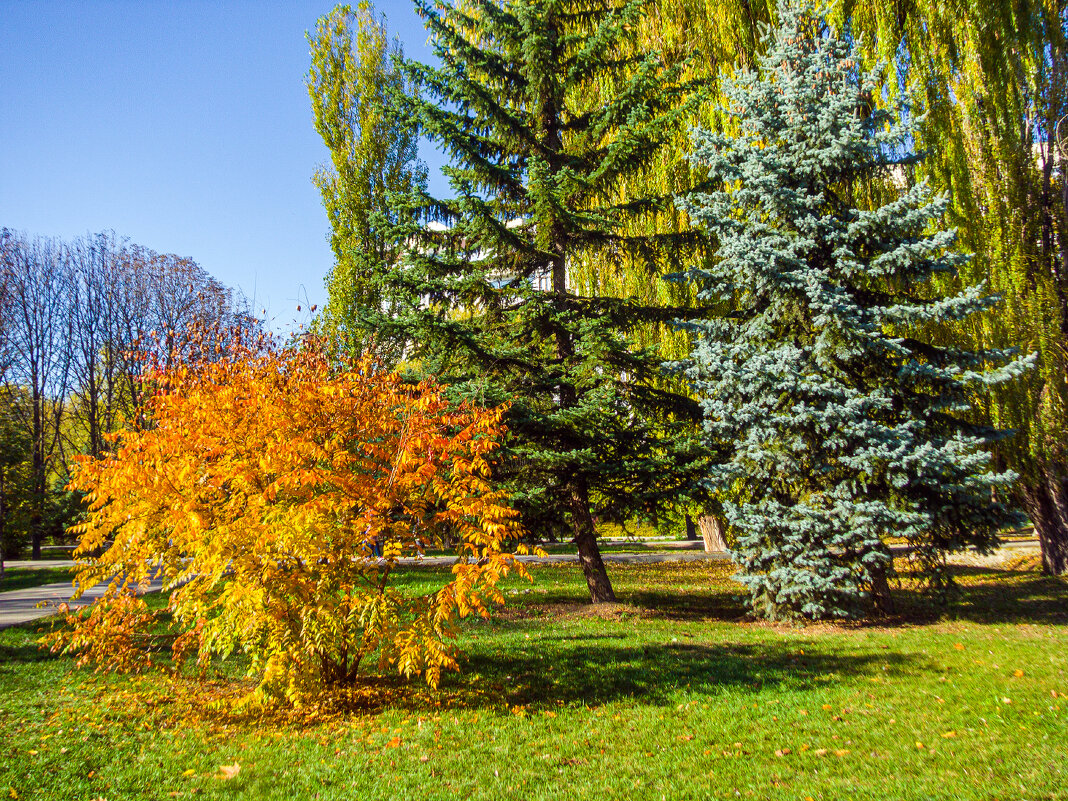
x=991, y=83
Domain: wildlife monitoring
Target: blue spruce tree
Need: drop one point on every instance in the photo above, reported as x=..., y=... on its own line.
x=847, y=426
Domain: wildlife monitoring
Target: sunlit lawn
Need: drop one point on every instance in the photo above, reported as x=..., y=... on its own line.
x=670, y=695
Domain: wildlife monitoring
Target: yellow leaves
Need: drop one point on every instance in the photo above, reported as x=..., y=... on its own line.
x=189, y=772
x=394, y=742
x=959, y=646
x=1018, y=673
x=227, y=772
x=261, y=488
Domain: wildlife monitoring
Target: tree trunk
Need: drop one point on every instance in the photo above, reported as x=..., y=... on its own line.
x=589, y=553
x=1046, y=503
x=691, y=529
x=880, y=592
x=712, y=533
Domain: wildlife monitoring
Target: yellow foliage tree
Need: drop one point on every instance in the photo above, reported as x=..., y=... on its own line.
x=275, y=494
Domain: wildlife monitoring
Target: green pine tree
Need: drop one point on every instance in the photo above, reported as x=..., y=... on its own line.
x=486, y=297
x=847, y=428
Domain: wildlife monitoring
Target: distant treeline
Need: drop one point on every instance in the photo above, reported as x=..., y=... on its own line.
x=79, y=319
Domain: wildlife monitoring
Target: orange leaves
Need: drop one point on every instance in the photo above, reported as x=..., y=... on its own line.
x=275, y=493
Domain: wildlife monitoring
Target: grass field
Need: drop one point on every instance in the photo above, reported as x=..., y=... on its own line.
x=670, y=695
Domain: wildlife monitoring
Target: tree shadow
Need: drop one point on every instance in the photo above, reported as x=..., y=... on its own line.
x=27, y=653
x=722, y=606
x=1012, y=595
x=592, y=671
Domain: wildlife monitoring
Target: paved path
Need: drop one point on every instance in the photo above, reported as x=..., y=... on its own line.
x=22, y=606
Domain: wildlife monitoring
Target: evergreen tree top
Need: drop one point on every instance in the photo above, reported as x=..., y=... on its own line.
x=508, y=105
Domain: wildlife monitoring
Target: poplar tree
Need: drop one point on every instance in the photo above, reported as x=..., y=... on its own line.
x=847, y=427
x=373, y=155
x=486, y=296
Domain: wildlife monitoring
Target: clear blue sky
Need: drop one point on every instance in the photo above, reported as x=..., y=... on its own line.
x=184, y=125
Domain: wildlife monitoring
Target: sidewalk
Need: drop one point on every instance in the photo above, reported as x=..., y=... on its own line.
x=22, y=606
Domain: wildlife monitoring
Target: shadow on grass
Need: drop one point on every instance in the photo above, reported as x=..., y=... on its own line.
x=723, y=606
x=563, y=670
x=610, y=661
x=1008, y=595
x=998, y=595
x=24, y=653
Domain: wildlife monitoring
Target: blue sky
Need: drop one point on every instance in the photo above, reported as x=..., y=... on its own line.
x=183, y=125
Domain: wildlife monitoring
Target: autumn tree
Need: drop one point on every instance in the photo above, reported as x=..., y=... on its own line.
x=260, y=489
x=77, y=320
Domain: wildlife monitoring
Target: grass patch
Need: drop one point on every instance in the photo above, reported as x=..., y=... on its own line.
x=21, y=578
x=670, y=694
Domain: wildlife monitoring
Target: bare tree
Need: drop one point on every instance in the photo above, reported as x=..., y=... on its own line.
x=38, y=331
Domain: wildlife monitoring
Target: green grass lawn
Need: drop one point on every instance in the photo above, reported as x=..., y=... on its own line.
x=670, y=695
x=21, y=578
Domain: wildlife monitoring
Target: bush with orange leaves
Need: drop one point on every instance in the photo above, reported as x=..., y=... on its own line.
x=275, y=494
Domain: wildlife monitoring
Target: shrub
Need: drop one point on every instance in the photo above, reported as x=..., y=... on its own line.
x=261, y=486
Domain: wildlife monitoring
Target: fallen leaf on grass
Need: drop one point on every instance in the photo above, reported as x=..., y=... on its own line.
x=820, y=751
x=782, y=752
x=841, y=752
x=227, y=772
x=949, y=735
x=189, y=772
x=394, y=743
x=959, y=646
x=1018, y=674
x=686, y=737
